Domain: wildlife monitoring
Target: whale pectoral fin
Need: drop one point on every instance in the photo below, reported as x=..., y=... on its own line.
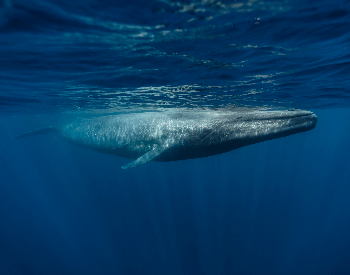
x=155, y=152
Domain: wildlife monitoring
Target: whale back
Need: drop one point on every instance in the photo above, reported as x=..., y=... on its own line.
x=132, y=135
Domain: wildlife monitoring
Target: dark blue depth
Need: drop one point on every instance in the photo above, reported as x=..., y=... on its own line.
x=278, y=207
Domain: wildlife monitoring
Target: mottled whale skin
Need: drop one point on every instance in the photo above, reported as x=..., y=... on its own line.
x=179, y=134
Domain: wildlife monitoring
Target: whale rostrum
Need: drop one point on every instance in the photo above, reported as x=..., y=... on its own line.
x=179, y=134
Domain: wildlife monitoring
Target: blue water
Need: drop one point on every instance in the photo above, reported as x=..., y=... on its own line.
x=278, y=207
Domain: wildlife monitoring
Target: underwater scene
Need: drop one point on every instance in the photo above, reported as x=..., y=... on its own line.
x=175, y=137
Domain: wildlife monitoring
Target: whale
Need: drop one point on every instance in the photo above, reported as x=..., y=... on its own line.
x=176, y=134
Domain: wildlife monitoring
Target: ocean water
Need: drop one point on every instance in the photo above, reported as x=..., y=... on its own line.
x=277, y=207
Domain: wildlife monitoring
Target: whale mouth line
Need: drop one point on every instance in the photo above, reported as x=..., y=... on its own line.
x=297, y=116
x=285, y=117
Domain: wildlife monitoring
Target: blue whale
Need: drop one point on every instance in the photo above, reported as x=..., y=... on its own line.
x=179, y=134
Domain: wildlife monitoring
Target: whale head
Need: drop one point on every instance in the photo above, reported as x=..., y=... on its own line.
x=245, y=128
x=226, y=130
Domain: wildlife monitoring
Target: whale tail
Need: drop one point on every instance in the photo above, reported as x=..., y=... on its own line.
x=47, y=130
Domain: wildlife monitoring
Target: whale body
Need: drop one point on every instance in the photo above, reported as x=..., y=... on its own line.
x=179, y=134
